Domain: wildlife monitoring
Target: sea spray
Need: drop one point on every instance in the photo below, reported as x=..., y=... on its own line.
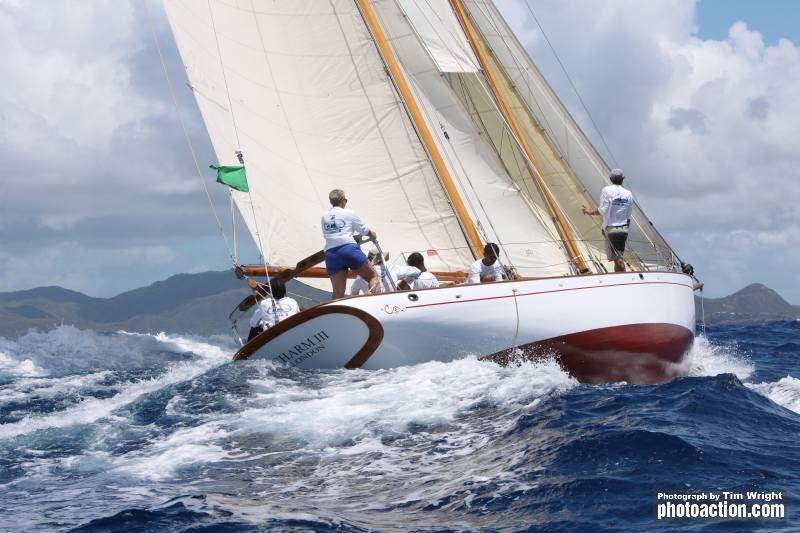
x=143, y=431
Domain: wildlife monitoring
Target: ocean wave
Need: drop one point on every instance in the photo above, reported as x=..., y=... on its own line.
x=784, y=392
x=205, y=356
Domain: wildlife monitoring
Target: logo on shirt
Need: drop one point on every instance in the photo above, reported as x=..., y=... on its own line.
x=333, y=225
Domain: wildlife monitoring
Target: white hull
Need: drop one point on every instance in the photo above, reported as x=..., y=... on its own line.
x=634, y=327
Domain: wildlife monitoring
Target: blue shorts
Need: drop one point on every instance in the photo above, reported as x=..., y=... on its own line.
x=344, y=257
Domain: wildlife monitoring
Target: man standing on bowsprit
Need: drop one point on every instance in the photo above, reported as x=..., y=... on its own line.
x=616, y=204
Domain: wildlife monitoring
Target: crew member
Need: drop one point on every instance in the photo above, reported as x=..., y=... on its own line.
x=487, y=269
x=403, y=276
x=425, y=280
x=616, y=204
x=272, y=309
x=339, y=225
x=360, y=286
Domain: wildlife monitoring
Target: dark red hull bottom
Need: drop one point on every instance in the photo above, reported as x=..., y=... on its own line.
x=636, y=353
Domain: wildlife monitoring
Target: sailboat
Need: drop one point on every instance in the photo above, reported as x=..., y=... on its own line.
x=433, y=118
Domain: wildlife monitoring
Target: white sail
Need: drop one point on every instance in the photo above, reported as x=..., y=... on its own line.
x=440, y=33
x=525, y=231
x=300, y=88
x=647, y=246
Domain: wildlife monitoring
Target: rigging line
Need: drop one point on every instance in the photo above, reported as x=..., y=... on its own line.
x=185, y=132
x=588, y=113
x=381, y=133
x=238, y=151
x=402, y=87
x=703, y=310
x=425, y=110
x=264, y=256
x=516, y=327
x=546, y=131
x=493, y=22
x=224, y=76
x=572, y=84
x=233, y=226
x=515, y=153
x=523, y=69
x=550, y=138
x=554, y=205
x=465, y=49
x=481, y=82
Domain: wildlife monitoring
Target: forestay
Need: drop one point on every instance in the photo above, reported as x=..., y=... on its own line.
x=524, y=229
x=562, y=131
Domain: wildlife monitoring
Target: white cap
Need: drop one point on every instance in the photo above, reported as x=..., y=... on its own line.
x=616, y=173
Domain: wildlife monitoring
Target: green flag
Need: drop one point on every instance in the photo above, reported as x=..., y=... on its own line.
x=233, y=177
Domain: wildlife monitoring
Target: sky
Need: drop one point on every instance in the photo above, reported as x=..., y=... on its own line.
x=697, y=101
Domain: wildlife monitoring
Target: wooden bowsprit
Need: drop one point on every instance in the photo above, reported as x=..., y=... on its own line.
x=283, y=274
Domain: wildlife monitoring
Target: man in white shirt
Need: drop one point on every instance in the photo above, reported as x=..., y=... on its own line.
x=272, y=309
x=425, y=280
x=487, y=269
x=342, y=254
x=616, y=204
x=403, y=276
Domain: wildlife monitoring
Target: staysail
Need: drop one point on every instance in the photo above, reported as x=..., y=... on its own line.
x=574, y=169
x=523, y=229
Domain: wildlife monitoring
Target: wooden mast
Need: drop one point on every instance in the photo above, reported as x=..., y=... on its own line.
x=512, y=122
x=419, y=122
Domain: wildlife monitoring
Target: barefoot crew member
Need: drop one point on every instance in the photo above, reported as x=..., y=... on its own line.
x=339, y=225
x=616, y=203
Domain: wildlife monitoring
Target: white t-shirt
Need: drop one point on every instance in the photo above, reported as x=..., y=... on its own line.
x=264, y=315
x=408, y=274
x=479, y=270
x=426, y=280
x=616, y=203
x=339, y=225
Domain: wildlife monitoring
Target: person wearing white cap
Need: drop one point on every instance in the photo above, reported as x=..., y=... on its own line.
x=615, y=206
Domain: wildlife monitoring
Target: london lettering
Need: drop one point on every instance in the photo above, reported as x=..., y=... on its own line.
x=302, y=351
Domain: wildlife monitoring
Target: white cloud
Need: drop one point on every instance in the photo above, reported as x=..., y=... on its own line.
x=97, y=176
x=706, y=130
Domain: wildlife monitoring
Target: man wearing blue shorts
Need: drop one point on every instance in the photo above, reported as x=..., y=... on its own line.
x=342, y=254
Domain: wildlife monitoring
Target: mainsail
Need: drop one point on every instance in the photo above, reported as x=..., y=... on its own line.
x=300, y=87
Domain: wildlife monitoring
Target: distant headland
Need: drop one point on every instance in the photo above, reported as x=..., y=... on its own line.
x=199, y=304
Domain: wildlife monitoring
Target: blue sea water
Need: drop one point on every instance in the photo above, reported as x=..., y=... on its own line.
x=120, y=431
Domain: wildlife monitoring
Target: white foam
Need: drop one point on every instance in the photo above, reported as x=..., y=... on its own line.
x=26, y=367
x=91, y=410
x=353, y=404
x=709, y=359
x=784, y=392
x=162, y=458
x=51, y=387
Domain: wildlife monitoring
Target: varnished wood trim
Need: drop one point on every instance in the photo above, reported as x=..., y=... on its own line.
x=374, y=339
x=396, y=74
x=320, y=272
x=508, y=115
